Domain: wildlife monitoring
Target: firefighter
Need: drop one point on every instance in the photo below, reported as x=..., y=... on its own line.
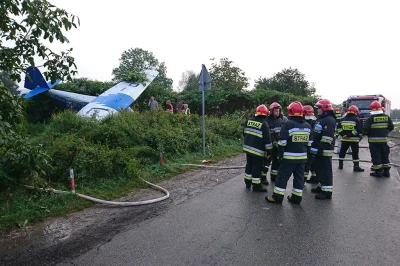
x=323, y=147
x=338, y=115
x=377, y=128
x=292, y=149
x=310, y=119
x=275, y=121
x=257, y=144
x=349, y=128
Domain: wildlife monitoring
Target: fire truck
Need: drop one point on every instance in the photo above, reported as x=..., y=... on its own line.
x=364, y=101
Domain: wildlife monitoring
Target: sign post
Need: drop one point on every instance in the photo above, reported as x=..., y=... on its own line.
x=204, y=84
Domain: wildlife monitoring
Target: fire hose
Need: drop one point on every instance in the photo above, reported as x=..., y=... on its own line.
x=117, y=203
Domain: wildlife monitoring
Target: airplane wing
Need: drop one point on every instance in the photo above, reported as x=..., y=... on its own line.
x=121, y=96
x=35, y=82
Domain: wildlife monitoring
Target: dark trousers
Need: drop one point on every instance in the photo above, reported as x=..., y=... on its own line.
x=380, y=155
x=355, y=148
x=323, y=168
x=254, y=165
x=273, y=162
x=286, y=169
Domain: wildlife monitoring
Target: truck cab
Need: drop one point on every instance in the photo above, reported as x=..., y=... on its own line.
x=364, y=101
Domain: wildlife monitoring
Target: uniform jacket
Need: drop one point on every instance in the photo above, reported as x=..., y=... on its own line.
x=257, y=137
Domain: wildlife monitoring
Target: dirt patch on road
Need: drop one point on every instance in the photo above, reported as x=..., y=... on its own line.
x=56, y=239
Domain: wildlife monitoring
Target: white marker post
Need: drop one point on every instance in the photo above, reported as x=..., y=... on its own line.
x=72, y=180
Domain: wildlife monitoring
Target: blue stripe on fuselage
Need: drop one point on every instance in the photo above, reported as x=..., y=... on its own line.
x=115, y=101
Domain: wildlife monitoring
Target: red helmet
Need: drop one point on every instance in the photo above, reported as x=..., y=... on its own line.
x=295, y=109
x=273, y=106
x=353, y=110
x=308, y=110
x=325, y=105
x=383, y=109
x=375, y=106
x=261, y=110
x=337, y=110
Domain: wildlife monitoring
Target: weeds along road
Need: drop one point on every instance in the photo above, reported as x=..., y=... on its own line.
x=210, y=223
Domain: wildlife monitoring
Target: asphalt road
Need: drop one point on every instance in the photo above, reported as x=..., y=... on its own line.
x=230, y=225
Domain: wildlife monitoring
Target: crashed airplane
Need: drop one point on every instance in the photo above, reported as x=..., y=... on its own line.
x=119, y=97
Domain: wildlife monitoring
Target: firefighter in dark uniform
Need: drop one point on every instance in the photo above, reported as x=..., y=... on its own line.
x=310, y=166
x=293, y=145
x=323, y=147
x=275, y=121
x=377, y=128
x=338, y=115
x=349, y=128
x=257, y=145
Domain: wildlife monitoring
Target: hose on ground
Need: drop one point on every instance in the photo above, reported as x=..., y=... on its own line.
x=367, y=147
x=242, y=167
x=116, y=203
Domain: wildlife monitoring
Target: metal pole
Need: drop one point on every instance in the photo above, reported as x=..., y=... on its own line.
x=204, y=125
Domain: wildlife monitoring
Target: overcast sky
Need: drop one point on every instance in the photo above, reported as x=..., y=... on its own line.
x=345, y=47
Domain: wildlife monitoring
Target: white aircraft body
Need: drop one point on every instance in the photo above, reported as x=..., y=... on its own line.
x=118, y=97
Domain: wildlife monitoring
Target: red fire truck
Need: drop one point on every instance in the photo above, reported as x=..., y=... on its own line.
x=363, y=102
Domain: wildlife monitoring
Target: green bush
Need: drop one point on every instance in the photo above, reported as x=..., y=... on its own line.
x=122, y=146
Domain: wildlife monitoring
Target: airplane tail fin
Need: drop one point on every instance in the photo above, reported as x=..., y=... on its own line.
x=35, y=82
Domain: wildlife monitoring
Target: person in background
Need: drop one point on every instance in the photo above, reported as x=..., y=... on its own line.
x=343, y=112
x=153, y=104
x=186, y=109
x=182, y=108
x=349, y=128
x=178, y=106
x=377, y=128
x=170, y=108
x=310, y=118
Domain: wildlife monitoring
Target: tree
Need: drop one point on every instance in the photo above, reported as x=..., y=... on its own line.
x=8, y=83
x=226, y=76
x=23, y=27
x=288, y=80
x=189, y=81
x=395, y=113
x=138, y=59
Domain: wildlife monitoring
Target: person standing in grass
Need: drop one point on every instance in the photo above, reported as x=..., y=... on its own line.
x=152, y=104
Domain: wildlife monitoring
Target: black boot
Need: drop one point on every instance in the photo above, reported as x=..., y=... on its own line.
x=386, y=172
x=316, y=190
x=259, y=188
x=294, y=199
x=248, y=183
x=340, y=164
x=376, y=173
x=272, y=199
x=357, y=167
x=264, y=180
x=324, y=195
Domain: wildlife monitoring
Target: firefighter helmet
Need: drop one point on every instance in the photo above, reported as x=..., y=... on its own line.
x=337, y=110
x=295, y=109
x=308, y=110
x=325, y=105
x=261, y=110
x=273, y=106
x=375, y=106
x=353, y=110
